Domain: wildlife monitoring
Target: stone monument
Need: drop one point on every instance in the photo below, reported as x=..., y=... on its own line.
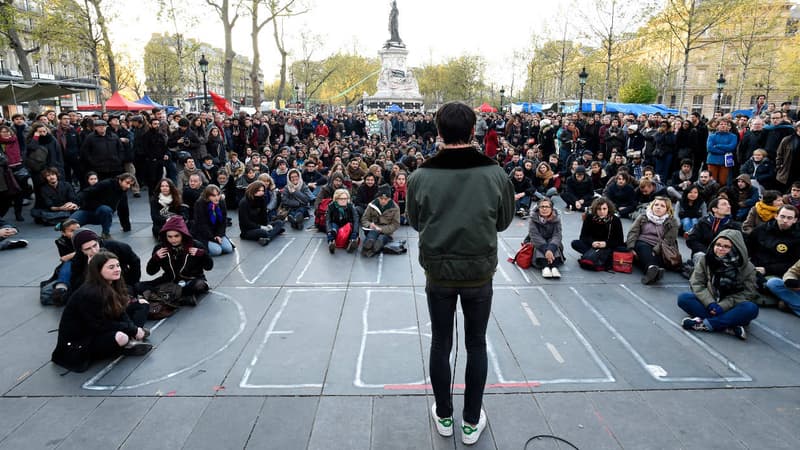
x=396, y=82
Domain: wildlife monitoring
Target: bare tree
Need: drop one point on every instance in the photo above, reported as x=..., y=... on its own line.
x=691, y=22
x=274, y=9
x=228, y=18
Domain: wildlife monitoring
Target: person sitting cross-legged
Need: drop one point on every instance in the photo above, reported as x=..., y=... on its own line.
x=545, y=235
x=181, y=259
x=787, y=289
x=723, y=287
x=381, y=219
x=342, y=217
x=255, y=211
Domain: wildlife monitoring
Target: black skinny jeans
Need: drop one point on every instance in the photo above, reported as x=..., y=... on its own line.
x=477, y=305
x=645, y=257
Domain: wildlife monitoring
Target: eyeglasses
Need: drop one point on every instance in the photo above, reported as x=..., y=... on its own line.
x=545, y=207
x=726, y=247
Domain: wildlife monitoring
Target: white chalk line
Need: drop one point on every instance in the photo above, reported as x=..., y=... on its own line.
x=554, y=351
x=248, y=371
x=649, y=367
x=89, y=385
x=266, y=266
x=337, y=283
x=776, y=334
x=531, y=315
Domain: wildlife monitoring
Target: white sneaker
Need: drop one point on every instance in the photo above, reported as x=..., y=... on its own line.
x=470, y=434
x=444, y=425
x=555, y=273
x=547, y=273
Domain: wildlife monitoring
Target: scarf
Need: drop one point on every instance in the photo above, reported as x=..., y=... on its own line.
x=685, y=176
x=601, y=220
x=294, y=187
x=544, y=176
x=399, y=193
x=658, y=220
x=214, y=213
x=766, y=212
x=718, y=223
x=725, y=272
x=10, y=146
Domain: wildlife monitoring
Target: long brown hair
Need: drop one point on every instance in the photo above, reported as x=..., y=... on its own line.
x=173, y=191
x=115, y=294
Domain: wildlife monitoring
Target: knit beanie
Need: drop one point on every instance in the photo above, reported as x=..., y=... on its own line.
x=82, y=236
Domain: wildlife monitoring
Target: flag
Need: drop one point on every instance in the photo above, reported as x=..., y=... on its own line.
x=221, y=103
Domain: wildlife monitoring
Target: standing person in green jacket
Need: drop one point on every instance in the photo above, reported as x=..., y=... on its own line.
x=458, y=224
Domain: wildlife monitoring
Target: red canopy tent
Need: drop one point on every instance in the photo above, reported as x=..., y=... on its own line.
x=486, y=108
x=117, y=103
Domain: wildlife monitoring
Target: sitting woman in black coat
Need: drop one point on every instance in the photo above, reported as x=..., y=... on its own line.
x=165, y=203
x=254, y=214
x=601, y=233
x=182, y=259
x=211, y=221
x=99, y=320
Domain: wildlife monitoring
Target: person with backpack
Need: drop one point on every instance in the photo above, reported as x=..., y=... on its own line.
x=545, y=236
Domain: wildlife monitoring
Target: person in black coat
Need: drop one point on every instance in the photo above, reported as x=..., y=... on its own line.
x=102, y=152
x=622, y=195
x=341, y=212
x=579, y=190
x=100, y=201
x=601, y=231
x=366, y=193
x=255, y=223
x=181, y=259
x=56, y=200
x=704, y=231
x=775, y=246
x=87, y=244
x=156, y=156
x=99, y=320
x=165, y=203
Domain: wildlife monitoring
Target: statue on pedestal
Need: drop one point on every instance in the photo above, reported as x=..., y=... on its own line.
x=394, y=39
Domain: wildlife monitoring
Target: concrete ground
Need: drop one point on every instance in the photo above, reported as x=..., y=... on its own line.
x=295, y=348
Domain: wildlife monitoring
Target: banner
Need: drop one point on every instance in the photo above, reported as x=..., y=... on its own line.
x=221, y=103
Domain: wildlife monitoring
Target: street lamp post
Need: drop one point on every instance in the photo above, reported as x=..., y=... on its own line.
x=582, y=80
x=204, y=69
x=720, y=87
x=502, y=98
x=296, y=95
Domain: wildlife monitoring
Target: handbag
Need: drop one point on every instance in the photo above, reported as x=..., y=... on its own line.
x=671, y=256
x=395, y=248
x=524, y=256
x=593, y=259
x=622, y=262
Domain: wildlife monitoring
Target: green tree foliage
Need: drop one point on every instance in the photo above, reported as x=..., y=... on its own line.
x=161, y=69
x=350, y=76
x=457, y=79
x=639, y=87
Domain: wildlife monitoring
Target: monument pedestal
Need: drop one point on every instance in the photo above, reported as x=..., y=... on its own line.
x=396, y=83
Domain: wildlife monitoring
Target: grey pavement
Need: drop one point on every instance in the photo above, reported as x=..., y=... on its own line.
x=295, y=348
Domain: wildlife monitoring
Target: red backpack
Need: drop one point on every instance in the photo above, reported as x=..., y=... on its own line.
x=524, y=256
x=321, y=214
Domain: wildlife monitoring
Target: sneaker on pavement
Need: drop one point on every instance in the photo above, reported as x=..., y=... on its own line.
x=471, y=433
x=22, y=243
x=352, y=246
x=737, y=331
x=694, y=323
x=555, y=273
x=332, y=247
x=444, y=425
x=547, y=273
x=660, y=275
x=136, y=348
x=263, y=241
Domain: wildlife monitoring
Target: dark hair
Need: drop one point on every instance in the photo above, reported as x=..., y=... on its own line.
x=796, y=184
x=114, y=294
x=715, y=201
x=173, y=190
x=770, y=196
x=61, y=226
x=253, y=187
x=455, y=122
x=126, y=176
x=49, y=171
x=600, y=201
x=791, y=208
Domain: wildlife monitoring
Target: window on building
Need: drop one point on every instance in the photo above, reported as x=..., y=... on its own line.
x=673, y=100
x=753, y=99
x=697, y=103
x=726, y=104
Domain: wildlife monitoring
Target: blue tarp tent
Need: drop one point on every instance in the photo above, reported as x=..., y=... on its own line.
x=742, y=112
x=528, y=107
x=393, y=108
x=146, y=100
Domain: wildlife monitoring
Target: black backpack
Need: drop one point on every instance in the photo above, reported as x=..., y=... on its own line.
x=36, y=159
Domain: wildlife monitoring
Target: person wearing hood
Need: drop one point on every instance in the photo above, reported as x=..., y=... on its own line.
x=634, y=142
x=335, y=182
x=297, y=198
x=545, y=235
x=342, y=216
x=256, y=214
x=545, y=181
x=210, y=221
x=747, y=194
x=579, y=191
x=181, y=259
x=723, y=286
x=380, y=220
x=648, y=236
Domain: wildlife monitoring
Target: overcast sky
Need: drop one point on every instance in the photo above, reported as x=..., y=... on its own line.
x=432, y=30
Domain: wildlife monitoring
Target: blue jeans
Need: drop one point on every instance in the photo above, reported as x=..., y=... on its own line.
x=663, y=165
x=688, y=223
x=741, y=314
x=788, y=296
x=101, y=216
x=215, y=248
x=65, y=272
x=477, y=305
x=334, y=230
x=523, y=203
x=376, y=235
x=550, y=193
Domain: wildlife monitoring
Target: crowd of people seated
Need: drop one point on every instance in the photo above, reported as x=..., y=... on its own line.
x=728, y=186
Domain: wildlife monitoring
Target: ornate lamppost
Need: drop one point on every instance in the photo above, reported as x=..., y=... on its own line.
x=582, y=80
x=204, y=69
x=720, y=86
x=502, y=98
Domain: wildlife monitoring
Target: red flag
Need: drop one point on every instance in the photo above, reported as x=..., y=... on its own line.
x=221, y=103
